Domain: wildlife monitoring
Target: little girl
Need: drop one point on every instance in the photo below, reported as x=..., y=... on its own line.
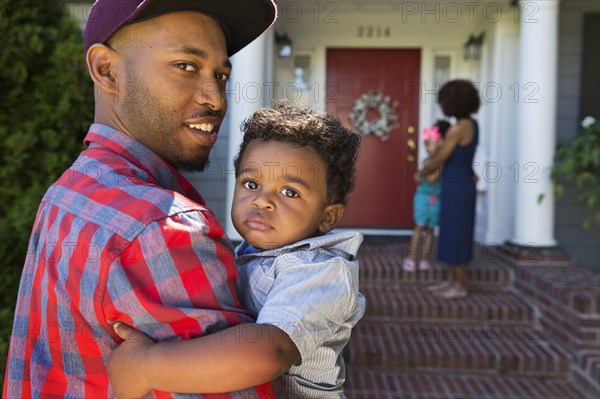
x=426, y=203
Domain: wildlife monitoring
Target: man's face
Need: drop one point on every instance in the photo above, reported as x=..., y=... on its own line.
x=176, y=70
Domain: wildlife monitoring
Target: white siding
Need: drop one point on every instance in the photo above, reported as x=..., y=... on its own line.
x=580, y=243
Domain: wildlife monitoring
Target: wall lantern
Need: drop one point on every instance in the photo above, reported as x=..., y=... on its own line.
x=473, y=47
x=284, y=45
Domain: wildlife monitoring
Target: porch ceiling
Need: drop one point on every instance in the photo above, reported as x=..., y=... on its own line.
x=377, y=6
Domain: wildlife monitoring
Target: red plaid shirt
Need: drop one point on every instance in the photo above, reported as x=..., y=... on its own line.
x=120, y=236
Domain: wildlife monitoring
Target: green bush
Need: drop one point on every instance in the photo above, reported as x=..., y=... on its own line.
x=578, y=162
x=46, y=108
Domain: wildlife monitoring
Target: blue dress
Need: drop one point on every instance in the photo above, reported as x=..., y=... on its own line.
x=457, y=215
x=426, y=204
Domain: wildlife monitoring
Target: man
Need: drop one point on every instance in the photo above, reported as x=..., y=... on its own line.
x=122, y=235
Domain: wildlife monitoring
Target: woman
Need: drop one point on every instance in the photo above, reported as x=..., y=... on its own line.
x=457, y=98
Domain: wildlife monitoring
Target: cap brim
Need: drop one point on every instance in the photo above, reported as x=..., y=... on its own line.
x=242, y=20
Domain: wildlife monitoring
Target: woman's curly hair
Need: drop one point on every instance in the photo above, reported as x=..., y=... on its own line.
x=291, y=123
x=459, y=98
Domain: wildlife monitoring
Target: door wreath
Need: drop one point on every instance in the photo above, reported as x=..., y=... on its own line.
x=381, y=126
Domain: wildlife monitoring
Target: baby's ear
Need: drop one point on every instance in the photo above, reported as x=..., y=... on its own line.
x=331, y=216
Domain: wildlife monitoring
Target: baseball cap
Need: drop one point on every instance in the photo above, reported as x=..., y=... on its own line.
x=242, y=20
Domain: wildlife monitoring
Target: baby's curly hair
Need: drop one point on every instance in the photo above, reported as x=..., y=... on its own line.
x=291, y=123
x=443, y=126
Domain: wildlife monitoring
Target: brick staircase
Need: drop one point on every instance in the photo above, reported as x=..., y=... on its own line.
x=525, y=331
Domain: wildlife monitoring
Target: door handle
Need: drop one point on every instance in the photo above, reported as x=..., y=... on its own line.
x=411, y=144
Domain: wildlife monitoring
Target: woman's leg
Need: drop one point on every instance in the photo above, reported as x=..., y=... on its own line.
x=458, y=284
x=460, y=278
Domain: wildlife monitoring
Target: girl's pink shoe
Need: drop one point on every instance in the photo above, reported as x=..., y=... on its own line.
x=409, y=265
x=424, y=265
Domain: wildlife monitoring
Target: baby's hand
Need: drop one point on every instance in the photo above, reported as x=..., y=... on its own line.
x=126, y=362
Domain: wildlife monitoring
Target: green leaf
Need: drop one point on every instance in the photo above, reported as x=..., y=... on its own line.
x=578, y=161
x=540, y=198
x=586, y=224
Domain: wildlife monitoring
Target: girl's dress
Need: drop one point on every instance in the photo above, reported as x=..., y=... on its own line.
x=457, y=215
x=426, y=203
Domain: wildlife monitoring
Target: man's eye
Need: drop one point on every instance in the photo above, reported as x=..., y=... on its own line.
x=222, y=76
x=288, y=192
x=250, y=185
x=186, y=66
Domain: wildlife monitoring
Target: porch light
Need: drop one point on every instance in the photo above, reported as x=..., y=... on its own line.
x=473, y=47
x=284, y=45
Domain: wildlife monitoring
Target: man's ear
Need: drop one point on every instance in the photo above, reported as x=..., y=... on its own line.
x=331, y=216
x=102, y=62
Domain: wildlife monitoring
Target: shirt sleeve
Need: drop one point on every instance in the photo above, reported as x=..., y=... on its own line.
x=176, y=279
x=309, y=301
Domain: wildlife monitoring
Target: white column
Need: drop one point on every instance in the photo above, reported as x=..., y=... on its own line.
x=536, y=123
x=247, y=92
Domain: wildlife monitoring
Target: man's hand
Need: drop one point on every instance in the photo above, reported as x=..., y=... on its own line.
x=126, y=362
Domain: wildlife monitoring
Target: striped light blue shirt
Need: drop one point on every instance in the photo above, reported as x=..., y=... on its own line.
x=308, y=289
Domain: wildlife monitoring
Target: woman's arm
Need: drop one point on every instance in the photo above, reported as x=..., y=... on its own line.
x=238, y=357
x=451, y=140
x=434, y=176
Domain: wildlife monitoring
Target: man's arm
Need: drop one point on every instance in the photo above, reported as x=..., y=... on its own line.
x=239, y=357
x=175, y=281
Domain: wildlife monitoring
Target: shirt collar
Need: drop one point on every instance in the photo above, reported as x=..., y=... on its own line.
x=159, y=171
x=347, y=242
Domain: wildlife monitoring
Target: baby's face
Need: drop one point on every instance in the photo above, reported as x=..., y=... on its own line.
x=432, y=146
x=280, y=194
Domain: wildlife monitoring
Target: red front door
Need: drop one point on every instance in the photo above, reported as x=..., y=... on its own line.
x=385, y=169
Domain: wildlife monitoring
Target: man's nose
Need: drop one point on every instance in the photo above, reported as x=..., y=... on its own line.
x=212, y=96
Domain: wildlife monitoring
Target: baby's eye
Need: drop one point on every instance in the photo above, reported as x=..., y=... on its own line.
x=222, y=76
x=288, y=192
x=186, y=66
x=250, y=185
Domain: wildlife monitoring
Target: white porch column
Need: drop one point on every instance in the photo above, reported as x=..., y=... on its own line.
x=536, y=123
x=246, y=92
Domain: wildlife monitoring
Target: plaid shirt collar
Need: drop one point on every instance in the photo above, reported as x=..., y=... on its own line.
x=159, y=171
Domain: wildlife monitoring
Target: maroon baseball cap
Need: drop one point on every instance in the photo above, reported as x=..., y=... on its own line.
x=242, y=20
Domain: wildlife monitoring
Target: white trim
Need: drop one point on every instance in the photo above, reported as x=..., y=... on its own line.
x=536, y=125
x=250, y=73
x=429, y=110
x=379, y=232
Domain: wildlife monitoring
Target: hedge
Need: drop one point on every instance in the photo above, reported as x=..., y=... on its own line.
x=46, y=107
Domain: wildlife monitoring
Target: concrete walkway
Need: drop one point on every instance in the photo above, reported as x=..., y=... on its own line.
x=530, y=328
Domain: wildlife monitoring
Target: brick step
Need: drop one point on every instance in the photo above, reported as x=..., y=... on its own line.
x=458, y=347
x=408, y=302
x=586, y=373
x=383, y=263
x=577, y=288
x=367, y=383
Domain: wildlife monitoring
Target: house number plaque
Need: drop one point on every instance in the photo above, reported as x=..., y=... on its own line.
x=373, y=31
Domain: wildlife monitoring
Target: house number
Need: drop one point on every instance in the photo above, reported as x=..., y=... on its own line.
x=369, y=31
